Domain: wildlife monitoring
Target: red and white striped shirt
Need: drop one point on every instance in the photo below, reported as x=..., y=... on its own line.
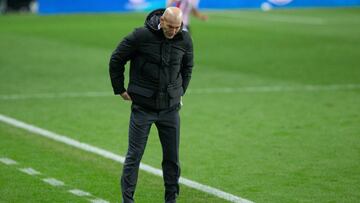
x=186, y=7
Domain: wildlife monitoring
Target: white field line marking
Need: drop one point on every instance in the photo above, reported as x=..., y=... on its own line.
x=53, y=182
x=55, y=95
x=98, y=201
x=7, y=161
x=298, y=19
x=276, y=18
x=29, y=171
x=255, y=89
x=117, y=158
x=80, y=193
x=223, y=90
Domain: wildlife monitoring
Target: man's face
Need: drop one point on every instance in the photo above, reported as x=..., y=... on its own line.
x=170, y=28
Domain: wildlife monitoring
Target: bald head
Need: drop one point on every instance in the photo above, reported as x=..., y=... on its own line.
x=171, y=22
x=173, y=15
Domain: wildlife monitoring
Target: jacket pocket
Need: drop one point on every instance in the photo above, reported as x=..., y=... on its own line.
x=175, y=92
x=140, y=91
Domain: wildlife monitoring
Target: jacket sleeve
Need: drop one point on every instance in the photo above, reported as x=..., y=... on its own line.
x=187, y=65
x=119, y=58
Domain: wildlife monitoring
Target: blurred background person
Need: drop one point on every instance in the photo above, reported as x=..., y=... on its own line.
x=188, y=7
x=15, y=5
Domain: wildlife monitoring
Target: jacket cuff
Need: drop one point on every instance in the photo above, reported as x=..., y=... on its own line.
x=119, y=91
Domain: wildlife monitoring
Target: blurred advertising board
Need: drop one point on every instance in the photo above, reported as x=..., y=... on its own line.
x=94, y=6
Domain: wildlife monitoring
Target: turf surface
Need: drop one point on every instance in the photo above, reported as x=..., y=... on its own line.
x=266, y=146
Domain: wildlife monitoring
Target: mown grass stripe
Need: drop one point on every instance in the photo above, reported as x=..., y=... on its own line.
x=224, y=90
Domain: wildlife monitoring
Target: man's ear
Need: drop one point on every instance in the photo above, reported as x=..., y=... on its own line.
x=162, y=21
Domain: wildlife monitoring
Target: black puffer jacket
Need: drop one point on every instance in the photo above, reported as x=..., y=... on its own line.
x=160, y=68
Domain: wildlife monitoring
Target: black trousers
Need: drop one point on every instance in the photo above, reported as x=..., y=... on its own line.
x=168, y=125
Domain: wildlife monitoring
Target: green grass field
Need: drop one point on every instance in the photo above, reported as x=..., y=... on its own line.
x=252, y=125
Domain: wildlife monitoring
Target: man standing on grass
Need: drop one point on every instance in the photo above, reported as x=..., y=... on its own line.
x=161, y=61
